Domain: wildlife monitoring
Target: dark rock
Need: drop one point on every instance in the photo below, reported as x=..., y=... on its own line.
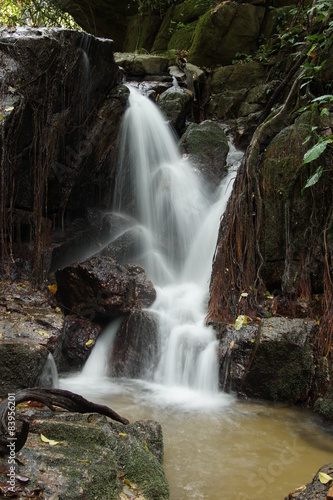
x=207, y=146
x=78, y=339
x=22, y=363
x=273, y=359
x=315, y=490
x=102, y=289
x=282, y=366
x=176, y=104
x=134, y=353
x=127, y=247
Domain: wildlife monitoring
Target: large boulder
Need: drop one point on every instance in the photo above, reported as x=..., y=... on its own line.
x=271, y=360
x=207, y=146
x=142, y=64
x=101, y=289
x=134, y=353
x=217, y=35
x=92, y=458
x=176, y=105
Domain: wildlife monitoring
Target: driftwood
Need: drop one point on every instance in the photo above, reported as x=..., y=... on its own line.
x=51, y=398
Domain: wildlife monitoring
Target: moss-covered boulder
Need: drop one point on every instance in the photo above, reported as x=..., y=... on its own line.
x=217, y=35
x=93, y=458
x=207, y=146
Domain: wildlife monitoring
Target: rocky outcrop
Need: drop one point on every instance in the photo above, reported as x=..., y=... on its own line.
x=30, y=327
x=101, y=289
x=91, y=458
x=58, y=149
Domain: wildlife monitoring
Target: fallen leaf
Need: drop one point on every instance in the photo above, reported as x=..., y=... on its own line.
x=51, y=442
x=244, y=294
x=240, y=321
x=146, y=446
x=122, y=434
x=43, y=333
x=53, y=288
x=232, y=343
x=9, y=108
x=89, y=342
x=324, y=478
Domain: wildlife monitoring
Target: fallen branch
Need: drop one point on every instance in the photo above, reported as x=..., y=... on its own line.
x=51, y=398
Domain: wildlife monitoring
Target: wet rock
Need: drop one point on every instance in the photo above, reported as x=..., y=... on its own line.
x=102, y=289
x=271, y=360
x=315, y=490
x=127, y=247
x=134, y=353
x=207, y=146
x=78, y=339
x=22, y=363
x=141, y=64
x=93, y=458
x=176, y=104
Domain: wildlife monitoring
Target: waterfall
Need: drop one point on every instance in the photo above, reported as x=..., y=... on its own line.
x=168, y=197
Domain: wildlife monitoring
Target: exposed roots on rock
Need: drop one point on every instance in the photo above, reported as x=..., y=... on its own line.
x=51, y=398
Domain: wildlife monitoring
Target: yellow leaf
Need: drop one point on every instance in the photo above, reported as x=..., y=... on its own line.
x=240, y=321
x=146, y=446
x=232, y=343
x=51, y=442
x=324, y=478
x=57, y=309
x=89, y=342
x=9, y=108
x=128, y=482
x=53, y=288
x=244, y=294
x=0, y=336
x=122, y=434
x=43, y=333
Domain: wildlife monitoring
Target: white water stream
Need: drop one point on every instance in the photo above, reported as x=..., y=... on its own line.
x=211, y=440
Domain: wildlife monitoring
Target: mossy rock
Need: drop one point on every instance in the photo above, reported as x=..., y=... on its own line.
x=182, y=38
x=216, y=38
x=93, y=458
x=141, y=32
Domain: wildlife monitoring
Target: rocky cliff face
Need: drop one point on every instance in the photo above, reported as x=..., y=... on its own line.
x=59, y=129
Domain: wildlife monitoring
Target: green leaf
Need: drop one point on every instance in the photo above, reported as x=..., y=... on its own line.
x=313, y=179
x=316, y=150
x=324, y=478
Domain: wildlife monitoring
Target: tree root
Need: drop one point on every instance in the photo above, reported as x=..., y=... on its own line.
x=51, y=398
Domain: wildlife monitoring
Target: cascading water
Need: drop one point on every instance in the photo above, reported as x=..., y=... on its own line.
x=169, y=200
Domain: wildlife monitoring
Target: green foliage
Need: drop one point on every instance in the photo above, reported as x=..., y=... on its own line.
x=241, y=58
x=35, y=13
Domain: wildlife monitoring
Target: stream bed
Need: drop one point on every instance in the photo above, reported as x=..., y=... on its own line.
x=219, y=447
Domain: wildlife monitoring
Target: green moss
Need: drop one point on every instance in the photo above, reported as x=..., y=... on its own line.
x=324, y=405
x=182, y=38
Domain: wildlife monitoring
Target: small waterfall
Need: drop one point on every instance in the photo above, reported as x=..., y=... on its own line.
x=168, y=197
x=49, y=375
